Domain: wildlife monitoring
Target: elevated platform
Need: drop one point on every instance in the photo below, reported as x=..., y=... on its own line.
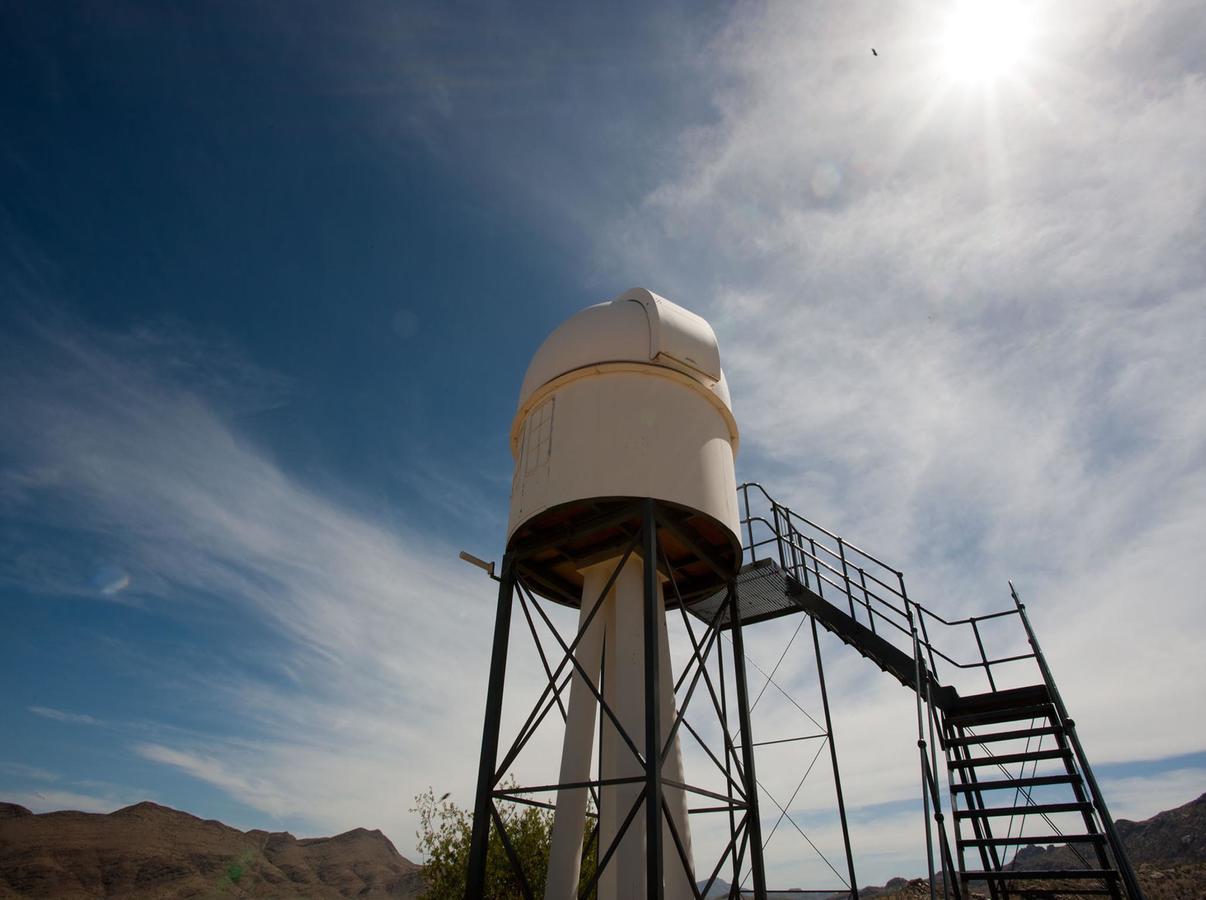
x=765, y=592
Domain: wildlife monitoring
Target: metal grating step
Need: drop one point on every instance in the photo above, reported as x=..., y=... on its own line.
x=1035, y=809
x=1040, y=874
x=1041, y=840
x=972, y=740
x=1005, y=714
x=1008, y=758
x=1009, y=783
x=1007, y=698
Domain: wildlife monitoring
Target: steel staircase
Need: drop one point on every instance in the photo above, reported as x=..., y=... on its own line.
x=1017, y=774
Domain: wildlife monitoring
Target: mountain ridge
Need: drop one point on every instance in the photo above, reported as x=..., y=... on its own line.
x=148, y=850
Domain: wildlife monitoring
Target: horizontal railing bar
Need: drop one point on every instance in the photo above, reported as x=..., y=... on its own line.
x=854, y=585
x=571, y=785
x=995, y=615
x=498, y=795
x=703, y=792
x=859, y=550
x=968, y=621
x=812, y=547
x=803, y=737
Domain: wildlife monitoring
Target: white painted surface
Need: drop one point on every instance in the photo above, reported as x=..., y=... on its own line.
x=622, y=636
x=614, y=406
x=625, y=399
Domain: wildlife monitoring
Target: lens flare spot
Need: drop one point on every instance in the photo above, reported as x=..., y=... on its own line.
x=110, y=580
x=826, y=180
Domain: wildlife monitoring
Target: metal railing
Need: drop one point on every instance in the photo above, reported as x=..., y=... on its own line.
x=873, y=594
x=870, y=590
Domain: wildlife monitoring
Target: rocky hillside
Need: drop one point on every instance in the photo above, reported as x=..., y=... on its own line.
x=1168, y=852
x=150, y=851
x=1176, y=836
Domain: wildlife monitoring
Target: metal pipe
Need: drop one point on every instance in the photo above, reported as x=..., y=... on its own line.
x=754, y=824
x=728, y=764
x=778, y=536
x=653, y=759
x=1120, y=857
x=846, y=578
x=925, y=793
x=833, y=757
x=862, y=578
x=947, y=866
x=475, y=882
x=983, y=656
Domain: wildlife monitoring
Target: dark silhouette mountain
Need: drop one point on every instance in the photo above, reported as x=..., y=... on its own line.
x=1171, y=837
x=1168, y=852
x=151, y=851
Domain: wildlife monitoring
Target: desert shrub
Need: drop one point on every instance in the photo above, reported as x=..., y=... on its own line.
x=445, y=833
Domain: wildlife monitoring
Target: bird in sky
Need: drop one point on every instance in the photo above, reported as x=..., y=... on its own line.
x=873, y=52
x=445, y=797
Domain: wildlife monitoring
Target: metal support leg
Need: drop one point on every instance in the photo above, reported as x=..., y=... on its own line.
x=837, y=778
x=475, y=883
x=921, y=749
x=653, y=731
x=754, y=824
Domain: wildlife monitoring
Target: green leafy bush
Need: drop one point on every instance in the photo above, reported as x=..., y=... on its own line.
x=446, y=830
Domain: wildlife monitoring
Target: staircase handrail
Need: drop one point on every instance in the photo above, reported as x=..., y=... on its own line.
x=810, y=556
x=811, y=524
x=1107, y=821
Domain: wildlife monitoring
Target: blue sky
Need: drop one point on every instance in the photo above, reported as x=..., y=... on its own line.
x=270, y=276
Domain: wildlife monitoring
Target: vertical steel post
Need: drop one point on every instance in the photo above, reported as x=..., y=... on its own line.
x=753, y=822
x=779, y=536
x=944, y=852
x=1120, y=856
x=475, y=883
x=728, y=757
x=846, y=577
x=749, y=520
x=921, y=748
x=837, y=778
x=653, y=731
x=983, y=656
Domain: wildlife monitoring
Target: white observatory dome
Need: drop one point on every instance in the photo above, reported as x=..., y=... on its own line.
x=638, y=326
x=626, y=399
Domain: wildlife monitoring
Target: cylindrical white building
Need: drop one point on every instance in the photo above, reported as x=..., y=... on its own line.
x=625, y=400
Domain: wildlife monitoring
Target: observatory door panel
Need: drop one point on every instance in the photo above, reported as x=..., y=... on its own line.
x=532, y=472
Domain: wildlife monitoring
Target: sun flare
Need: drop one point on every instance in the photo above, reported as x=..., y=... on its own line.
x=986, y=40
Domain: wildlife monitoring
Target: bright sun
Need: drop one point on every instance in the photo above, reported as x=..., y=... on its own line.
x=986, y=39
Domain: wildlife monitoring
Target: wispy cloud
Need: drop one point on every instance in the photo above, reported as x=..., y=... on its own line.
x=20, y=770
x=964, y=328
x=53, y=800
x=974, y=347
x=59, y=715
x=1142, y=796
x=222, y=775
x=345, y=685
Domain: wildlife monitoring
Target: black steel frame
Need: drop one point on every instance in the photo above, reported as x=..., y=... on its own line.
x=822, y=561
x=739, y=802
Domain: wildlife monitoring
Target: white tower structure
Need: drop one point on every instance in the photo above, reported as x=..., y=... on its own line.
x=624, y=444
x=626, y=399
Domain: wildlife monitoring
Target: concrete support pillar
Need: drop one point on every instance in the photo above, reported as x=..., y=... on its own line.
x=618, y=632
